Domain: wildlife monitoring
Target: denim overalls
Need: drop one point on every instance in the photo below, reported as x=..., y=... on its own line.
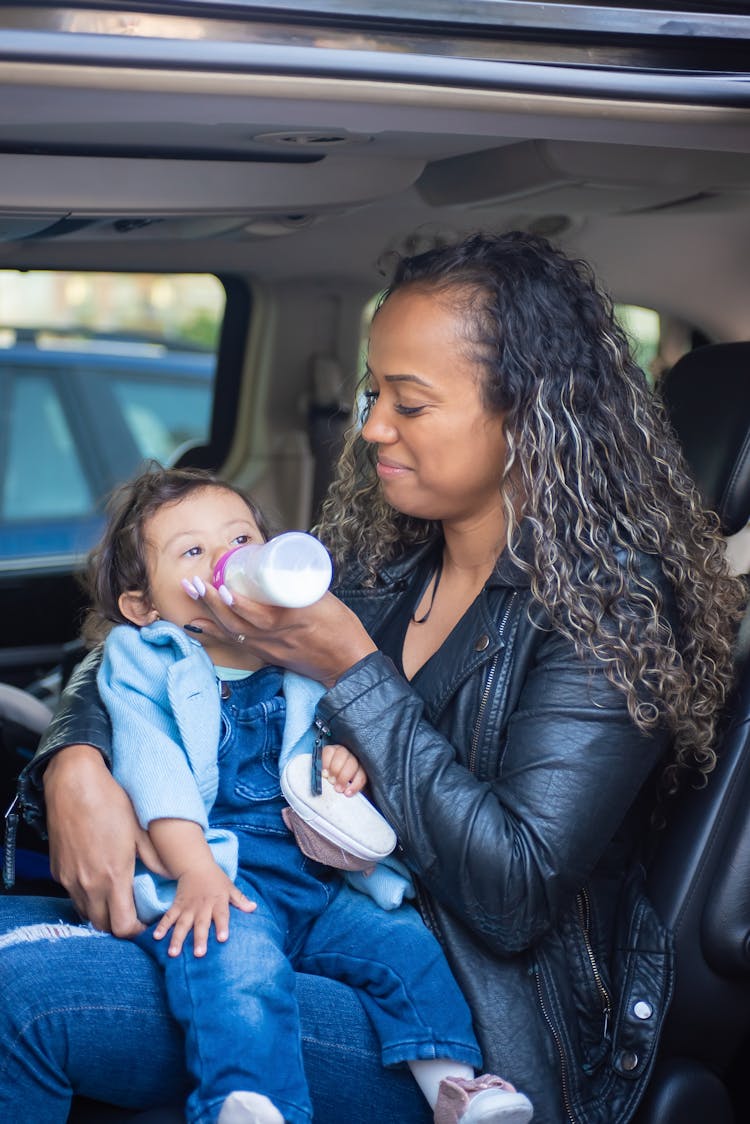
x=237, y=1005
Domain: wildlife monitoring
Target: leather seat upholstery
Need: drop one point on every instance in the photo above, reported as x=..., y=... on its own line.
x=700, y=878
x=707, y=393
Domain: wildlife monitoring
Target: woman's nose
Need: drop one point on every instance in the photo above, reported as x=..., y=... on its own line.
x=376, y=429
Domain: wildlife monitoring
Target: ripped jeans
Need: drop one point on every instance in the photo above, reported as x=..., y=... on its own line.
x=82, y=1012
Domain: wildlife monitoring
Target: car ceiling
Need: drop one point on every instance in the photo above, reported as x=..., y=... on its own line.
x=144, y=145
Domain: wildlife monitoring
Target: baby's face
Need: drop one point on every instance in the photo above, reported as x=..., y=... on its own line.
x=185, y=540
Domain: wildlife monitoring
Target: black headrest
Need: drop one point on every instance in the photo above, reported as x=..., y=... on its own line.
x=707, y=394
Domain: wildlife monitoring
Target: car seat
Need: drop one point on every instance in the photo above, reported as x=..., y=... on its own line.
x=700, y=875
x=23, y=719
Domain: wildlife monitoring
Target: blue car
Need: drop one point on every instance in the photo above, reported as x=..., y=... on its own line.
x=77, y=416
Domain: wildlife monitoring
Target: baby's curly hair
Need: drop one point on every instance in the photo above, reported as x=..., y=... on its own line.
x=119, y=563
x=596, y=471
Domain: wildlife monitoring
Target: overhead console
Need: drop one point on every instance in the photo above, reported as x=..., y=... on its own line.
x=57, y=195
x=580, y=177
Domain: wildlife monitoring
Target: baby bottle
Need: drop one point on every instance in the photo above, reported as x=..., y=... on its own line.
x=293, y=570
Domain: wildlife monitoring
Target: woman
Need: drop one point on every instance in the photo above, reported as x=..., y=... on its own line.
x=531, y=635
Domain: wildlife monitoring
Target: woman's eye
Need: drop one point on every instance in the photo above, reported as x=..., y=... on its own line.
x=370, y=397
x=367, y=401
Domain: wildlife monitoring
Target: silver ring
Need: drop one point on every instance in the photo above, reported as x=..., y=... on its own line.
x=240, y=637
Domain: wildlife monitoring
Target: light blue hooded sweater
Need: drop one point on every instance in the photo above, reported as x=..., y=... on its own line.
x=162, y=695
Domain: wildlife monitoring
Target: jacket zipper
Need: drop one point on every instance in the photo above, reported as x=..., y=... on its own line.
x=564, y=1082
x=12, y=817
x=488, y=689
x=584, y=913
x=322, y=734
x=480, y=713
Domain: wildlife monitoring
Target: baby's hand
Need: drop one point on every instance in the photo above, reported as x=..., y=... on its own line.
x=203, y=896
x=343, y=770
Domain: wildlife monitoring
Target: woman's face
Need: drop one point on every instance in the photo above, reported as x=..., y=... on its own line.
x=441, y=453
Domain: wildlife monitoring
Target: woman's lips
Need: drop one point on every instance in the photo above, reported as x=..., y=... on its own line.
x=388, y=469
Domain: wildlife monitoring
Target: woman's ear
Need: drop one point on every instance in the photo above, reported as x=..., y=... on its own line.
x=136, y=608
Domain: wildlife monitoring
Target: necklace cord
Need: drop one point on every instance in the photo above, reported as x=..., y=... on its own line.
x=435, y=576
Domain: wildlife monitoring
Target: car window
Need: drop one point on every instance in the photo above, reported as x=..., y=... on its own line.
x=643, y=329
x=42, y=475
x=162, y=421
x=98, y=373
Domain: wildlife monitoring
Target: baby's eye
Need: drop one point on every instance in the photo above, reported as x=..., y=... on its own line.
x=240, y=540
x=192, y=552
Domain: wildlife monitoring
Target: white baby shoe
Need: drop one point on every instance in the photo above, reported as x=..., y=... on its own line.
x=481, y=1100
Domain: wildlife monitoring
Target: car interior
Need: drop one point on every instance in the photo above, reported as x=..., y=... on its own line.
x=289, y=153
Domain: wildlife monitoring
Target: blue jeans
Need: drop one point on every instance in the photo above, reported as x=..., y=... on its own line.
x=88, y=1014
x=106, y=1032
x=237, y=1005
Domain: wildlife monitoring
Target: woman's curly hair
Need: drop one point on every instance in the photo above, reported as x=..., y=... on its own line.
x=596, y=471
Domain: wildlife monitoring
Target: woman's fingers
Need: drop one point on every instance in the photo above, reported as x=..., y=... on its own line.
x=121, y=919
x=240, y=619
x=321, y=641
x=223, y=623
x=92, y=854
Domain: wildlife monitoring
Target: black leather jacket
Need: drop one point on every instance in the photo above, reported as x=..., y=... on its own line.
x=512, y=781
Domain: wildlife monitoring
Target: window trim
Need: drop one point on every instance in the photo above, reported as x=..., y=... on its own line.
x=230, y=358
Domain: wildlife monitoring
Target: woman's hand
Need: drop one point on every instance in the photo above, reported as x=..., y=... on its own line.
x=203, y=897
x=94, y=838
x=321, y=641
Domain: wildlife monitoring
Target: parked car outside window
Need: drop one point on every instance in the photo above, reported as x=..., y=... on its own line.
x=81, y=408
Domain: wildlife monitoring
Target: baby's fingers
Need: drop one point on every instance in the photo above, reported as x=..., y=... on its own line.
x=241, y=901
x=357, y=783
x=166, y=921
x=202, y=925
x=343, y=769
x=333, y=757
x=182, y=927
x=182, y=923
x=339, y=765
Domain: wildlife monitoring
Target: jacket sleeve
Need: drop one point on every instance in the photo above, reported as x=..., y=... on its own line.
x=80, y=719
x=505, y=856
x=149, y=761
